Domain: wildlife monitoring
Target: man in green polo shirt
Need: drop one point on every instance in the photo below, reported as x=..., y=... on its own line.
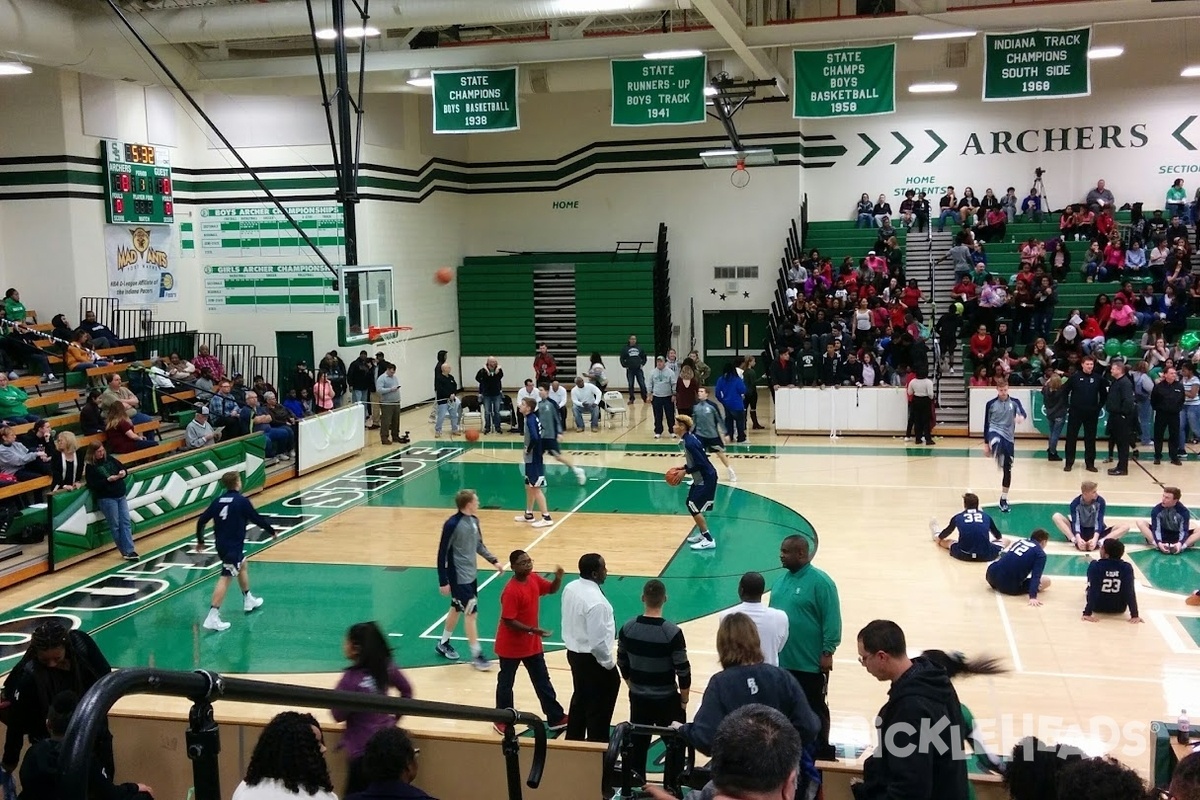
x=809, y=598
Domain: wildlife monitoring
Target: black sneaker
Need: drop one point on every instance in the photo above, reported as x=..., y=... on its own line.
x=1053, y=457
x=446, y=650
x=131, y=556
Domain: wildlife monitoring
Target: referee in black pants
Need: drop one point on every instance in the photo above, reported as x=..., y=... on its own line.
x=588, y=631
x=1085, y=393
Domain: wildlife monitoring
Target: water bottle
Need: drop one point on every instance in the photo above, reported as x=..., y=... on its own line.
x=1183, y=733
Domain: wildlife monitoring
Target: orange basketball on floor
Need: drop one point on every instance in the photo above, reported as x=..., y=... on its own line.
x=675, y=476
x=444, y=275
x=471, y=435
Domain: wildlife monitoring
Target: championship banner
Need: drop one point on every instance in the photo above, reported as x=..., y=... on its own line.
x=1036, y=65
x=844, y=82
x=140, y=263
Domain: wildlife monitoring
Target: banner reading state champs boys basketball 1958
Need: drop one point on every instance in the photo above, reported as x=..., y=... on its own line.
x=140, y=263
x=844, y=82
x=1035, y=65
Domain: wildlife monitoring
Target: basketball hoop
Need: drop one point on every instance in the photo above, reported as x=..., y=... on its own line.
x=740, y=177
x=392, y=342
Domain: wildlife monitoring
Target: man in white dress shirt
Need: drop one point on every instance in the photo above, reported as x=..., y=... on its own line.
x=585, y=397
x=588, y=631
x=772, y=623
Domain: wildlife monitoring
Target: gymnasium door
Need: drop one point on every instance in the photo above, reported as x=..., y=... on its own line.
x=733, y=333
x=292, y=347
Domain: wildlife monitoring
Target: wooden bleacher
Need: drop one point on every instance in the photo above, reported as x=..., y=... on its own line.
x=95, y=438
x=165, y=448
x=53, y=399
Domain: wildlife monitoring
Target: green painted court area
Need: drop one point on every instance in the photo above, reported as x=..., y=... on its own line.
x=148, y=613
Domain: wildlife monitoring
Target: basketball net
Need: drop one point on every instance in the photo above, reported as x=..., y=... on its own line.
x=392, y=342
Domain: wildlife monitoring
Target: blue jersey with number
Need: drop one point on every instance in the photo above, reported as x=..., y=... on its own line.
x=229, y=514
x=1020, y=560
x=974, y=528
x=1110, y=587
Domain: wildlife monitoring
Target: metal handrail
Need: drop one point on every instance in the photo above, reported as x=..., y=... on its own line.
x=203, y=742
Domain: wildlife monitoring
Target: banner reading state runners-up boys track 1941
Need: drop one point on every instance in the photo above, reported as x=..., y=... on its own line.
x=844, y=82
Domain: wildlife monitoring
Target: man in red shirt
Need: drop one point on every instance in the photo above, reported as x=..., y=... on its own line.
x=519, y=639
x=544, y=367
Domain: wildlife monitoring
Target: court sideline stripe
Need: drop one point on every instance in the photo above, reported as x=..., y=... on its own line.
x=429, y=631
x=1008, y=633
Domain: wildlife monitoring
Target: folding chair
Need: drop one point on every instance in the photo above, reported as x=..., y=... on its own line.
x=614, y=405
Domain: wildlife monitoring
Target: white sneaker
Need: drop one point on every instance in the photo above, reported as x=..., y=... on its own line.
x=732, y=476
x=705, y=544
x=215, y=623
x=523, y=518
x=251, y=603
x=580, y=476
x=543, y=523
x=933, y=528
x=658, y=436
x=695, y=537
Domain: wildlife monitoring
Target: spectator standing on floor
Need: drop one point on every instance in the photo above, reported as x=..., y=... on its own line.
x=921, y=395
x=379, y=366
x=519, y=638
x=335, y=368
x=652, y=657
x=921, y=727
x=372, y=671
x=772, y=623
x=545, y=368
x=388, y=387
x=1167, y=399
x=360, y=376
x=57, y=660
x=633, y=359
x=730, y=392
x=448, y=405
x=490, y=379
x=809, y=597
x=588, y=631
x=322, y=393
x=288, y=762
x=105, y=477
x=1085, y=392
x=199, y=432
x=750, y=377
x=662, y=392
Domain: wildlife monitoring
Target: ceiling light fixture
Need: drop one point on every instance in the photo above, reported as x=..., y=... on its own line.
x=1111, y=51
x=710, y=91
x=927, y=37
x=14, y=68
x=933, y=88
x=1190, y=72
x=422, y=83
x=674, y=54
x=329, y=34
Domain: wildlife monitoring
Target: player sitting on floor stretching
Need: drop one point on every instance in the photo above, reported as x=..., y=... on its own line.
x=1018, y=570
x=229, y=514
x=1171, y=529
x=1110, y=587
x=460, y=545
x=1000, y=433
x=973, y=529
x=1086, y=529
x=703, y=490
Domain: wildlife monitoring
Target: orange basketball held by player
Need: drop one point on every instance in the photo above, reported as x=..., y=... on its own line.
x=471, y=435
x=675, y=475
x=444, y=275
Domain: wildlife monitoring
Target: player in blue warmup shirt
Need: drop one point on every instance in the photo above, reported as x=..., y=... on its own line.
x=973, y=526
x=1018, y=570
x=1171, y=529
x=535, y=468
x=1086, y=529
x=229, y=514
x=1110, y=587
x=1000, y=434
x=703, y=490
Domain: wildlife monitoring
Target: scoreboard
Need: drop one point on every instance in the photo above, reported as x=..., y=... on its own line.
x=137, y=179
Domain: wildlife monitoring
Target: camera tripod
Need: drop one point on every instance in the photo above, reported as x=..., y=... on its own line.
x=1041, y=189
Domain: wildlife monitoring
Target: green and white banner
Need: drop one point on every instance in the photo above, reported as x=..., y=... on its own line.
x=667, y=91
x=269, y=288
x=159, y=494
x=1036, y=65
x=261, y=231
x=844, y=82
x=475, y=100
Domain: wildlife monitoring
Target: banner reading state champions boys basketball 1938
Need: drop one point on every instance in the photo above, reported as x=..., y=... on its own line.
x=140, y=263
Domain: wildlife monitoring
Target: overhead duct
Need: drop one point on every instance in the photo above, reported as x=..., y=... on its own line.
x=290, y=17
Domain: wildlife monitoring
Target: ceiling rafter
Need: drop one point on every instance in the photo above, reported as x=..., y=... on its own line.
x=725, y=20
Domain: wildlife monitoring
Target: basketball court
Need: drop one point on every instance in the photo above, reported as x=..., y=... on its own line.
x=358, y=542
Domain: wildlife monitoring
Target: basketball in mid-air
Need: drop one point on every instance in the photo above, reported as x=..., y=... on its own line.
x=675, y=476
x=471, y=435
x=444, y=275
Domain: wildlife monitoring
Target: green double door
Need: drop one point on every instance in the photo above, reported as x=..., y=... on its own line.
x=293, y=347
x=733, y=333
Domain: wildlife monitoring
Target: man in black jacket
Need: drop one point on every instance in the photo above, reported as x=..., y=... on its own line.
x=1167, y=401
x=783, y=372
x=1085, y=397
x=633, y=358
x=1122, y=410
x=920, y=755
x=361, y=377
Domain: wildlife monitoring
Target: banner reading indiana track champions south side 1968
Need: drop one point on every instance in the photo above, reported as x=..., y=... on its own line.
x=1036, y=65
x=844, y=82
x=140, y=263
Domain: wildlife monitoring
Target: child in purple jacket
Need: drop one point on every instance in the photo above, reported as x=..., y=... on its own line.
x=372, y=671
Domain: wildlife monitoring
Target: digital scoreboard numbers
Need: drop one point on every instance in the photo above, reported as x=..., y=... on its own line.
x=138, y=184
